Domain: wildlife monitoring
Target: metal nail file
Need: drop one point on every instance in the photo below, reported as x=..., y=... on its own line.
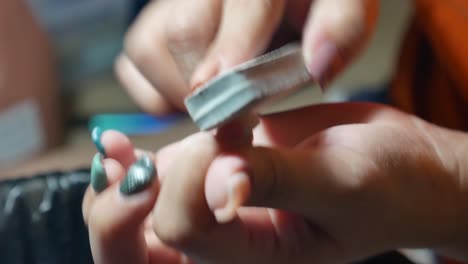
x=246, y=87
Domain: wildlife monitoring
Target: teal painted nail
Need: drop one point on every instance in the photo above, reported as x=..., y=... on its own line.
x=139, y=176
x=96, y=136
x=98, y=174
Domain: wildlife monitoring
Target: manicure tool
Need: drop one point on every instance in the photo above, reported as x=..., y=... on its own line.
x=248, y=86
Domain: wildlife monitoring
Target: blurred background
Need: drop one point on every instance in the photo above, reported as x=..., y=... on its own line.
x=56, y=76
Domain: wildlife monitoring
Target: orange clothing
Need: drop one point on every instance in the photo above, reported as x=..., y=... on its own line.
x=431, y=79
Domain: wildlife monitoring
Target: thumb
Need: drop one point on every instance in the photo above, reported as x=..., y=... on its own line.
x=334, y=33
x=297, y=180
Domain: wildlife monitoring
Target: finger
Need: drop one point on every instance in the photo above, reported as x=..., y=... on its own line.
x=335, y=31
x=159, y=253
x=146, y=47
x=112, y=171
x=190, y=31
x=180, y=192
x=139, y=88
x=115, y=145
x=165, y=157
x=304, y=181
x=246, y=30
x=296, y=14
x=287, y=129
x=88, y=200
x=116, y=219
x=182, y=220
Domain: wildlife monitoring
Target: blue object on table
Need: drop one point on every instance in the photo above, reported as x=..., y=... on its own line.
x=135, y=124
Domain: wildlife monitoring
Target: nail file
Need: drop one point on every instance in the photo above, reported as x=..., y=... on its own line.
x=246, y=87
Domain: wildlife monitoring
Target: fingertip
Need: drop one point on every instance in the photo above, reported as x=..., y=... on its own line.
x=335, y=32
x=119, y=147
x=320, y=57
x=245, y=32
x=207, y=69
x=227, y=186
x=114, y=212
x=116, y=224
x=114, y=170
x=105, y=172
x=238, y=190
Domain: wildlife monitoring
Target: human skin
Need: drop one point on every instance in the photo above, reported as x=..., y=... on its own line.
x=345, y=181
x=177, y=45
x=343, y=187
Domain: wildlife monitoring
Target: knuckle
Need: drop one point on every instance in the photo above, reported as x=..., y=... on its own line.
x=271, y=183
x=183, y=33
x=141, y=46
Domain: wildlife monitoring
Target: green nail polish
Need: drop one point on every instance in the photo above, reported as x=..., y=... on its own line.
x=96, y=136
x=139, y=176
x=98, y=174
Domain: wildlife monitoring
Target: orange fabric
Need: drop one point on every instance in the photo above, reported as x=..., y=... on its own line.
x=432, y=77
x=447, y=261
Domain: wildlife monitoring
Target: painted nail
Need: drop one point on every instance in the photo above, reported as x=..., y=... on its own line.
x=96, y=135
x=238, y=189
x=195, y=86
x=320, y=61
x=205, y=71
x=139, y=176
x=98, y=174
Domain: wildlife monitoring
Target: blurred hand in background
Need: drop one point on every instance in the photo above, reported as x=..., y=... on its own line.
x=176, y=46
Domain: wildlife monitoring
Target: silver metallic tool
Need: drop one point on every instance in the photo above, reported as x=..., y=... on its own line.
x=247, y=86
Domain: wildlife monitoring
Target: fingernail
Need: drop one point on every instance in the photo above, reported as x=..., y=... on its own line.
x=205, y=71
x=96, y=135
x=195, y=86
x=98, y=174
x=320, y=61
x=139, y=176
x=238, y=188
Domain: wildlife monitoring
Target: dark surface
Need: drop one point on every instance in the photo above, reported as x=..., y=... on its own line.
x=41, y=220
x=388, y=258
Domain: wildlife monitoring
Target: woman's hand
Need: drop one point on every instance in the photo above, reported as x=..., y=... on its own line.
x=177, y=45
x=343, y=187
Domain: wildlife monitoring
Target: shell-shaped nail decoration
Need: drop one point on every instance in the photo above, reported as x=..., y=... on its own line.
x=139, y=176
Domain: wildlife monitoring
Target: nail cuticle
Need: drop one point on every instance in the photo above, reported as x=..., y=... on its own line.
x=320, y=62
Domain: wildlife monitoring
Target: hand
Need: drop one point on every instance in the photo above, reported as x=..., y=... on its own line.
x=343, y=187
x=177, y=45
